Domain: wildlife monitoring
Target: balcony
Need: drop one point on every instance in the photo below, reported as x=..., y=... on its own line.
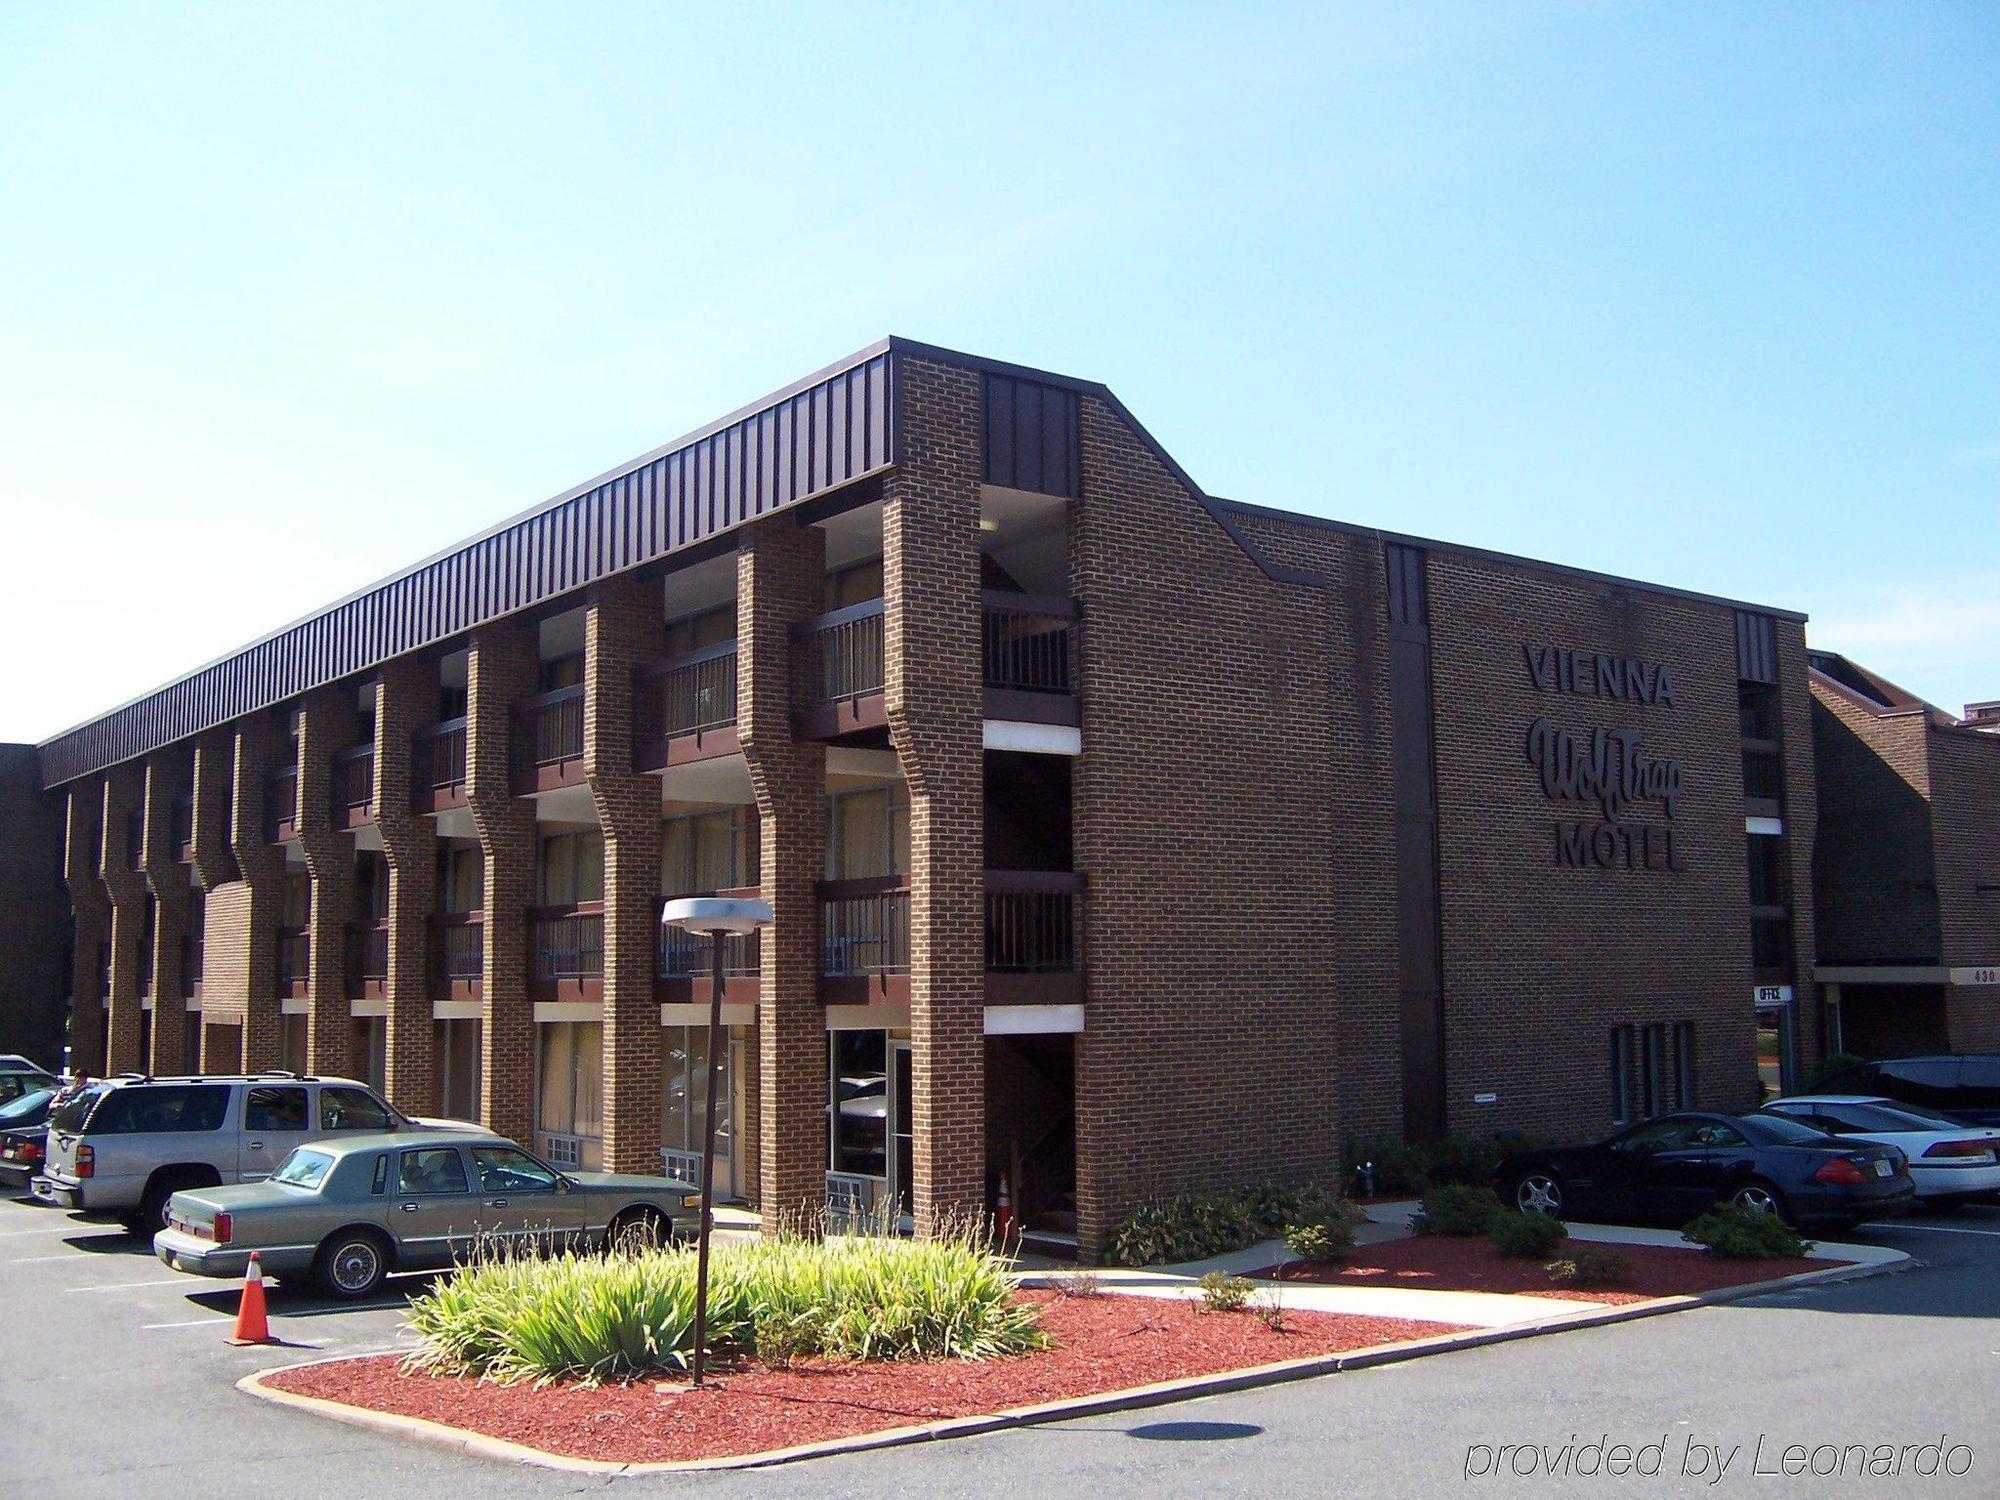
x=686, y=961
x=1770, y=945
x=354, y=787
x=294, y=961
x=145, y=947
x=135, y=839
x=180, y=829
x=685, y=708
x=191, y=956
x=458, y=955
x=548, y=740
x=865, y=940
x=281, y=804
x=1763, y=779
x=837, y=672
x=1034, y=937
x=566, y=951
x=367, y=960
x=437, y=767
x=1028, y=659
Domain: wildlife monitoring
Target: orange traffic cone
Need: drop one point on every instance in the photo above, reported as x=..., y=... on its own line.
x=252, y=1327
x=1003, y=1211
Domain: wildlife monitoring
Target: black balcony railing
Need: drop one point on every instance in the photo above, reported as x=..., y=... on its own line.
x=689, y=955
x=438, y=757
x=458, y=949
x=191, y=954
x=865, y=927
x=145, y=967
x=566, y=942
x=1026, y=642
x=294, y=956
x=549, y=727
x=689, y=694
x=353, y=782
x=1033, y=922
x=180, y=824
x=367, y=955
x=837, y=657
x=135, y=838
x=281, y=802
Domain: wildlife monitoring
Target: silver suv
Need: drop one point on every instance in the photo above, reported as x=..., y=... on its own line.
x=124, y=1146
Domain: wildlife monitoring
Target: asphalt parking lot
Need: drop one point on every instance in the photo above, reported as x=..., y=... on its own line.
x=116, y=1379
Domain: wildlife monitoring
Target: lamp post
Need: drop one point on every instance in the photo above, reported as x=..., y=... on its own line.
x=719, y=917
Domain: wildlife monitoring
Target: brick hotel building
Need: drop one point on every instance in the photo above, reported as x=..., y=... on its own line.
x=1119, y=837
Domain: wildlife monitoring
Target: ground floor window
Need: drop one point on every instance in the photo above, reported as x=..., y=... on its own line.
x=292, y=1047
x=1621, y=1075
x=458, y=1068
x=191, y=1040
x=1652, y=1070
x=369, y=1050
x=858, y=1084
x=570, y=1099
x=684, y=1062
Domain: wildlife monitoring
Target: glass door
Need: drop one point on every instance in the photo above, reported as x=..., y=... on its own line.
x=902, y=1135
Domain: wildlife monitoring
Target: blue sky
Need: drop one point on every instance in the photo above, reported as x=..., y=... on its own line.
x=1707, y=295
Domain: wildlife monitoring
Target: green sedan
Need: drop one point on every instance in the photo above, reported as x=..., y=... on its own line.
x=350, y=1210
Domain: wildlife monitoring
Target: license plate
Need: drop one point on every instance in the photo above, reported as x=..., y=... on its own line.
x=1885, y=1169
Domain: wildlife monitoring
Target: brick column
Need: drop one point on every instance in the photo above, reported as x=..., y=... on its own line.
x=258, y=908
x=328, y=724
x=406, y=701
x=214, y=864
x=167, y=778
x=91, y=912
x=780, y=580
x=501, y=668
x=126, y=888
x=930, y=543
x=623, y=630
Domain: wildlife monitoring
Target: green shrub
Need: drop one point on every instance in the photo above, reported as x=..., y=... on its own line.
x=1273, y=1207
x=1221, y=1292
x=1195, y=1226
x=1531, y=1236
x=1321, y=1240
x=1744, y=1234
x=1456, y=1210
x=1464, y=1159
x=1591, y=1265
x=1398, y=1165
x=591, y=1318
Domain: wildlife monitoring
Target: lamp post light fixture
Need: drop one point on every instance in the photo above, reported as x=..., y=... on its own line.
x=719, y=917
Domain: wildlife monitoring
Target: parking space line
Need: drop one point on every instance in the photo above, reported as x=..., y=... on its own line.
x=127, y=1286
x=1991, y=1234
x=190, y=1323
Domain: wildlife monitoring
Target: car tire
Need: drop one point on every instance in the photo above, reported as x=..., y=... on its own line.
x=639, y=1229
x=352, y=1264
x=152, y=1215
x=1539, y=1192
x=1759, y=1196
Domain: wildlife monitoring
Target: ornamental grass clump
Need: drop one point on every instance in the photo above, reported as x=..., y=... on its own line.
x=593, y=1318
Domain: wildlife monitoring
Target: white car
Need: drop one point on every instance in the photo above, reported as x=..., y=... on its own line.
x=1950, y=1161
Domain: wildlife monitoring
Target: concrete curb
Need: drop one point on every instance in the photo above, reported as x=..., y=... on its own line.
x=479, y=1444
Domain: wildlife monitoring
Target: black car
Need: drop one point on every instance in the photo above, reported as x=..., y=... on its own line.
x=1672, y=1168
x=1965, y=1086
x=24, y=1133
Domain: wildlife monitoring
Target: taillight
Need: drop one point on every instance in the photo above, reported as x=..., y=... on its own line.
x=86, y=1161
x=28, y=1151
x=1840, y=1169
x=1979, y=1148
x=223, y=1229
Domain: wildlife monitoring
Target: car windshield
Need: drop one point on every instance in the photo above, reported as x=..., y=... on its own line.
x=1777, y=1130
x=303, y=1168
x=27, y=1107
x=71, y=1114
x=1914, y=1116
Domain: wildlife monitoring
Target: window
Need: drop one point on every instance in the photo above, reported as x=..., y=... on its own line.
x=275, y=1109
x=858, y=1086
x=1621, y=1074
x=570, y=1099
x=371, y=887
x=712, y=852
x=1767, y=869
x=292, y=1041
x=570, y=869
x=1652, y=1071
x=684, y=1090
x=433, y=1169
x=381, y=1182
x=502, y=1169
x=298, y=899
x=1662, y=1135
x=370, y=1038
x=709, y=628
x=158, y=1108
x=1684, y=1089
x=854, y=585
x=458, y=1065
x=562, y=672
x=868, y=835
x=353, y=1109
x=303, y=1169
x=461, y=879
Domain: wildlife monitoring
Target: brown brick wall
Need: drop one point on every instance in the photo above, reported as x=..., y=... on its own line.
x=1965, y=822
x=1874, y=868
x=406, y=700
x=126, y=890
x=169, y=775
x=34, y=911
x=91, y=923
x=780, y=571
x=260, y=750
x=930, y=545
x=1801, y=818
x=327, y=726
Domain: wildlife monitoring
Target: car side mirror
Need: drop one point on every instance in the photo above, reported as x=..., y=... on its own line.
x=563, y=1184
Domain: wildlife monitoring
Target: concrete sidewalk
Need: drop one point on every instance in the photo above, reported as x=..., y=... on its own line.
x=1391, y=1221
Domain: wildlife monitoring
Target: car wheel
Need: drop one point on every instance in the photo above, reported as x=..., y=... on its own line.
x=351, y=1265
x=638, y=1229
x=152, y=1215
x=1759, y=1197
x=1539, y=1193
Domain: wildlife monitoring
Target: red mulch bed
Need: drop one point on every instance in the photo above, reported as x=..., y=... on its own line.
x=1104, y=1343
x=1448, y=1264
